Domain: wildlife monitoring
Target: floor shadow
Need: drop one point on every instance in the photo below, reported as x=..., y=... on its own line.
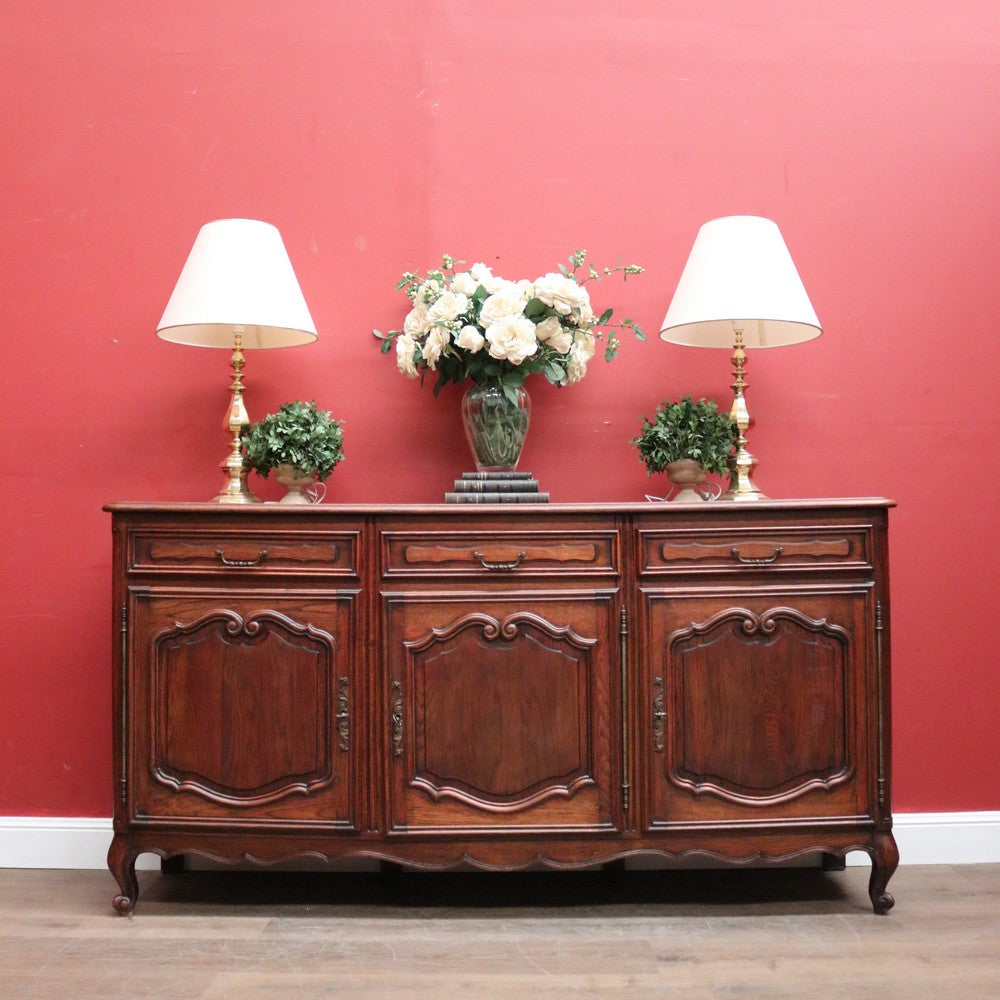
x=401, y=893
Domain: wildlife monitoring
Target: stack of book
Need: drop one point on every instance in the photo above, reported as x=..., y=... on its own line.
x=496, y=487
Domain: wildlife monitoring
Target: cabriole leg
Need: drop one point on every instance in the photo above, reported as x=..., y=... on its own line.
x=121, y=862
x=885, y=858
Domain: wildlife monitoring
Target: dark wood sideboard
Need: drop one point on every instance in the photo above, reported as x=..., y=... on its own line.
x=503, y=686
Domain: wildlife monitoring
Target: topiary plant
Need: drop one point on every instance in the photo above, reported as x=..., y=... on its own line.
x=300, y=435
x=687, y=430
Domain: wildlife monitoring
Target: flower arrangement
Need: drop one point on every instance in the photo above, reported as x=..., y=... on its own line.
x=472, y=324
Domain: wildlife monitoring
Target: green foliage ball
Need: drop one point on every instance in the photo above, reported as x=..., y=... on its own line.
x=686, y=429
x=300, y=435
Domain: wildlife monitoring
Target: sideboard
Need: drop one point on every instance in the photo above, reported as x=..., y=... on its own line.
x=562, y=685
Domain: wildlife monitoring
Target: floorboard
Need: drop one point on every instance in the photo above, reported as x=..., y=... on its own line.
x=311, y=936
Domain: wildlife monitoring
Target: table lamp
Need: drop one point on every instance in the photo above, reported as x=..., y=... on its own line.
x=237, y=290
x=740, y=289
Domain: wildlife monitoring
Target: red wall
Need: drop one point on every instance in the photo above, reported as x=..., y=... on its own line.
x=377, y=136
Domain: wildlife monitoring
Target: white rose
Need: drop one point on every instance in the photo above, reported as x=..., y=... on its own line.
x=552, y=333
x=470, y=339
x=464, y=284
x=585, y=345
x=437, y=340
x=405, y=345
x=448, y=307
x=582, y=352
x=508, y=300
x=584, y=318
x=416, y=323
x=484, y=276
x=549, y=327
x=512, y=339
x=575, y=371
x=561, y=293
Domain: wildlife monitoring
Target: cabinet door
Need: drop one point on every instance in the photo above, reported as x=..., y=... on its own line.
x=501, y=713
x=240, y=708
x=755, y=706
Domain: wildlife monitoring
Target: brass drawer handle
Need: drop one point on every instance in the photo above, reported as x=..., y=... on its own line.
x=764, y=561
x=344, y=714
x=498, y=567
x=397, y=718
x=241, y=562
x=659, y=715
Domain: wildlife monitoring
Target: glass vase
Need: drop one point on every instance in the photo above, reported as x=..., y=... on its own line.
x=495, y=427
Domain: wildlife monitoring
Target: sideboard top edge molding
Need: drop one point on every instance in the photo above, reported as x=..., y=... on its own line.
x=488, y=510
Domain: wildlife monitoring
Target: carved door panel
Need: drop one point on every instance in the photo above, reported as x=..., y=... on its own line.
x=754, y=707
x=241, y=708
x=501, y=713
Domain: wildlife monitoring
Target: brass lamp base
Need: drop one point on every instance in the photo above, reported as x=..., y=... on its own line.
x=741, y=486
x=236, y=490
x=742, y=464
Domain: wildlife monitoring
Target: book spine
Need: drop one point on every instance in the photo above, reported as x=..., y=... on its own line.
x=496, y=486
x=496, y=475
x=496, y=498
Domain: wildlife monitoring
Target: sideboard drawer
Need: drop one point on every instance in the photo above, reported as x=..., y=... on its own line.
x=517, y=553
x=251, y=551
x=717, y=549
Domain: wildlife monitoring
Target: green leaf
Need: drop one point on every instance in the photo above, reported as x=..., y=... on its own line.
x=535, y=308
x=605, y=316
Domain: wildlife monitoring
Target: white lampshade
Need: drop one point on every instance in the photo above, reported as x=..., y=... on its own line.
x=237, y=279
x=739, y=273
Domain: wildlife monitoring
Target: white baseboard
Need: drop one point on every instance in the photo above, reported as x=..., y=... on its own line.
x=57, y=842
x=955, y=838
x=924, y=839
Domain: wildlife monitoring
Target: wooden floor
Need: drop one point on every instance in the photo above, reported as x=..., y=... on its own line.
x=733, y=933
